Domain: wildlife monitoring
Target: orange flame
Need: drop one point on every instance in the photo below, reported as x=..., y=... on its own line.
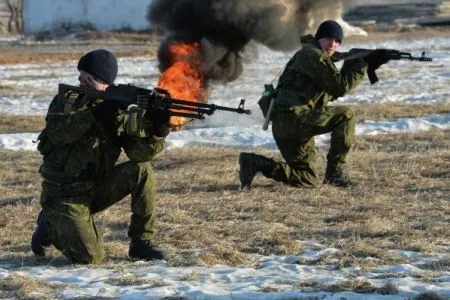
x=183, y=79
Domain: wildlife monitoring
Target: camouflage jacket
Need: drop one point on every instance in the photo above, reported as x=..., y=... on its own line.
x=311, y=78
x=76, y=147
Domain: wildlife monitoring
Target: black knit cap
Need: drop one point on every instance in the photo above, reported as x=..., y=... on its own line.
x=101, y=64
x=330, y=28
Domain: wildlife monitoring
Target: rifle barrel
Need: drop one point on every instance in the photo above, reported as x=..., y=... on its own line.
x=192, y=108
x=158, y=98
x=187, y=115
x=210, y=106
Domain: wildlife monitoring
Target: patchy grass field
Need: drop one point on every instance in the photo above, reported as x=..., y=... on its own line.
x=401, y=202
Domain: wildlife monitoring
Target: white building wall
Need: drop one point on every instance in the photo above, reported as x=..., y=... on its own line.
x=42, y=15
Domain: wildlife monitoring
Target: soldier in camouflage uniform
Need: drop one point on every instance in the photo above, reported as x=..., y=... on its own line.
x=309, y=81
x=80, y=146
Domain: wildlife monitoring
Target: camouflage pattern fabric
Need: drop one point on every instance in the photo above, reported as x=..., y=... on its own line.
x=314, y=78
x=294, y=133
x=81, y=178
x=309, y=81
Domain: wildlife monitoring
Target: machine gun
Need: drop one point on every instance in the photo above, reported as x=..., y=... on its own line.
x=379, y=56
x=150, y=99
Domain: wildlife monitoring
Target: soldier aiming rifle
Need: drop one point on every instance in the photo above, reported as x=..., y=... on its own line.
x=86, y=129
x=298, y=109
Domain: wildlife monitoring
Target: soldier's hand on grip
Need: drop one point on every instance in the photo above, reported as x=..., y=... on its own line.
x=106, y=110
x=377, y=58
x=160, y=121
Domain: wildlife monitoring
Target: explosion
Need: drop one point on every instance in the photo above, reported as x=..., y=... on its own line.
x=183, y=78
x=205, y=39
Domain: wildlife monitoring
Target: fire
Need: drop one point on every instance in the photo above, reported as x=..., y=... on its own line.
x=183, y=78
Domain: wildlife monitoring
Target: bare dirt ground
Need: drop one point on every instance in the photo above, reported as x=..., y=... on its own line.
x=71, y=48
x=138, y=44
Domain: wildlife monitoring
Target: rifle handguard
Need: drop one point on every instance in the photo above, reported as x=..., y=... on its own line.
x=390, y=54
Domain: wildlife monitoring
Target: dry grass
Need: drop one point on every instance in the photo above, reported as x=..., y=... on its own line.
x=121, y=43
x=9, y=57
x=20, y=123
x=386, y=111
x=19, y=287
x=203, y=218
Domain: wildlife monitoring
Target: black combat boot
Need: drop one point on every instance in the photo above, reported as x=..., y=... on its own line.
x=39, y=240
x=250, y=165
x=339, y=180
x=143, y=249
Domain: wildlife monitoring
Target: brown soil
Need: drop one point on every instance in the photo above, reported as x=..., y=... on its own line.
x=141, y=44
x=14, y=58
x=36, y=49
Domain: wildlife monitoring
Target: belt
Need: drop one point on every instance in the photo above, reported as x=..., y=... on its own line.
x=54, y=176
x=62, y=177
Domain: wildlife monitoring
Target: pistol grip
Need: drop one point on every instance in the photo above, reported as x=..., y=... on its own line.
x=373, y=78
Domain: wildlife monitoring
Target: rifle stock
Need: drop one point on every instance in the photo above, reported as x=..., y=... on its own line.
x=266, y=104
x=269, y=112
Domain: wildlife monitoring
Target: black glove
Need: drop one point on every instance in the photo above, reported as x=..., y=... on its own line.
x=351, y=64
x=160, y=122
x=106, y=111
x=377, y=58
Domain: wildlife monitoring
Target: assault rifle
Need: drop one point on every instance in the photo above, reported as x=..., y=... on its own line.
x=382, y=55
x=150, y=99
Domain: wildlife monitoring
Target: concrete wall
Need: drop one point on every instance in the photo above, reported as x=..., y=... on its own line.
x=40, y=15
x=43, y=15
x=10, y=16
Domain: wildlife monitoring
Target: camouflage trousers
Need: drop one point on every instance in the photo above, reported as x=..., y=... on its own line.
x=294, y=132
x=68, y=209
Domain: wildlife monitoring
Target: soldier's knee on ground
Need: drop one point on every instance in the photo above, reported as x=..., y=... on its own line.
x=76, y=236
x=92, y=256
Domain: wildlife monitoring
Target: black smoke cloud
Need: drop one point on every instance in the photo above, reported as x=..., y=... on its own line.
x=224, y=27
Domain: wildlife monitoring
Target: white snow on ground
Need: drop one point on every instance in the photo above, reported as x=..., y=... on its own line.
x=251, y=136
x=10, y=38
x=267, y=277
x=400, y=81
x=272, y=277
